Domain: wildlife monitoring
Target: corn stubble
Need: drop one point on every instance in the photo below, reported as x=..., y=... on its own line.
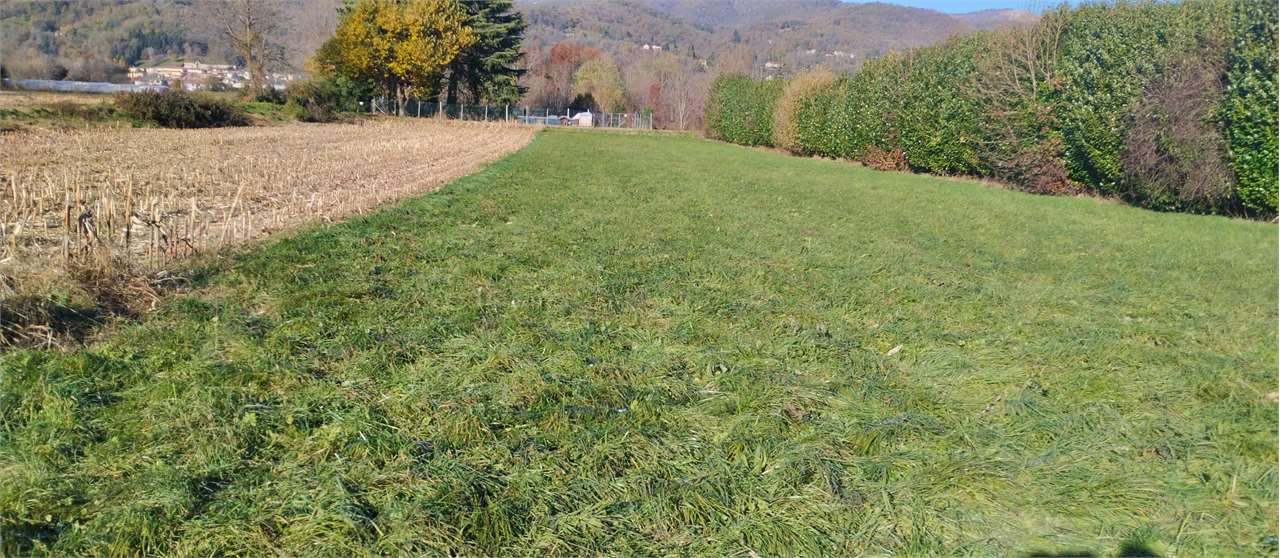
x=110, y=209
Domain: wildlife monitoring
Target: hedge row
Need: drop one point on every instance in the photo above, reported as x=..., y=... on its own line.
x=1249, y=113
x=740, y=109
x=178, y=109
x=1111, y=99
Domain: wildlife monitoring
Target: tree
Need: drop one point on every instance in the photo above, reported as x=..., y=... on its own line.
x=673, y=86
x=487, y=69
x=397, y=48
x=738, y=60
x=1013, y=74
x=552, y=80
x=599, y=78
x=252, y=30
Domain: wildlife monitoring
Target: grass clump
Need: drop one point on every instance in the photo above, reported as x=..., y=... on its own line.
x=729, y=352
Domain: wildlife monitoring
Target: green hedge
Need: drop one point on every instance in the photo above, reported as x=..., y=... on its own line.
x=740, y=109
x=1109, y=53
x=915, y=101
x=1102, y=63
x=1249, y=111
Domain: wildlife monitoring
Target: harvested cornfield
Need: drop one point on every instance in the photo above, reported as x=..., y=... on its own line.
x=144, y=197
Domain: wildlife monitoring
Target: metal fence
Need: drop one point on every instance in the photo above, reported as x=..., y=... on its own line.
x=515, y=114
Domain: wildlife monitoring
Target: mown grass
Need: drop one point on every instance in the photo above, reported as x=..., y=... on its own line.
x=643, y=344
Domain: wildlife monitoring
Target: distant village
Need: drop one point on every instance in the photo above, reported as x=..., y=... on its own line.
x=196, y=76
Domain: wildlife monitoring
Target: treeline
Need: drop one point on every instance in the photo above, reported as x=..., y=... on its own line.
x=1167, y=106
x=98, y=40
x=669, y=87
x=90, y=40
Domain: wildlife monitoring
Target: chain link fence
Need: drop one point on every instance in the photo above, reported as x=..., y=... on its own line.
x=515, y=114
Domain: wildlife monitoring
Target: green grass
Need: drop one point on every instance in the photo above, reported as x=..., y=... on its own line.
x=63, y=116
x=654, y=344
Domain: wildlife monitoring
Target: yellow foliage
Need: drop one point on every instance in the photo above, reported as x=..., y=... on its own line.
x=599, y=77
x=397, y=46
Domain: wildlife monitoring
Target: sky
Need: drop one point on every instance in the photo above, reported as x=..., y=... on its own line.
x=961, y=6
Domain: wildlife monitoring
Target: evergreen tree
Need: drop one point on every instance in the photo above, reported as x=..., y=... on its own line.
x=486, y=70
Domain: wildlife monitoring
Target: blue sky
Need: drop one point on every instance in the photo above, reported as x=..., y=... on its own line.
x=961, y=6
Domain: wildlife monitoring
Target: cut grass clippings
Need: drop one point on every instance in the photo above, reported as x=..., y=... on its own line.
x=653, y=344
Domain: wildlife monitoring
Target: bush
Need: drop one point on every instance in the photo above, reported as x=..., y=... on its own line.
x=322, y=99
x=1249, y=107
x=294, y=111
x=740, y=109
x=1014, y=72
x=79, y=111
x=816, y=129
x=796, y=91
x=1175, y=157
x=265, y=95
x=913, y=109
x=177, y=109
x=1108, y=56
x=934, y=113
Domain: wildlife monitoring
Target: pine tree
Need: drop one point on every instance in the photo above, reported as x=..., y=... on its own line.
x=486, y=70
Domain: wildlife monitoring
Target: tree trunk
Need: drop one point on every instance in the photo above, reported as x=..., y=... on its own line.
x=451, y=95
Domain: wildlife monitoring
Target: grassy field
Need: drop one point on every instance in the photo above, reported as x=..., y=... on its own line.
x=21, y=110
x=654, y=344
x=77, y=225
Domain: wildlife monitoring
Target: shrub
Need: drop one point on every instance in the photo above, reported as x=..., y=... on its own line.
x=79, y=111
x=796, y=91
x=265, y=95
x=935, y=113
x=1013, y=73
x=740, y=109
x=1249, y=107
x=1108, y=56
x=1175, y=156
x=916, y=105
x=890, y=160
x=322, y=99
x=294, y=111
x=816, y=130
x=176, y=109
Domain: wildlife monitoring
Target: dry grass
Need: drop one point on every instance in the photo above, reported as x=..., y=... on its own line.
x=138, y=199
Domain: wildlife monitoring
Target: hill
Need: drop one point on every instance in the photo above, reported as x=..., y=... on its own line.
x=793, y=35
x=98, y=39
